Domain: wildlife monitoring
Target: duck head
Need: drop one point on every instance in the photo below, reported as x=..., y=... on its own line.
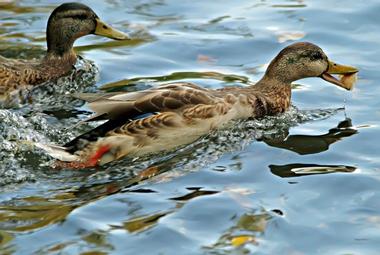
x=303, y=60
x=70, y=21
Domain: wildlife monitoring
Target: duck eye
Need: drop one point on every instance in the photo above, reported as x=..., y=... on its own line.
x=316, y=56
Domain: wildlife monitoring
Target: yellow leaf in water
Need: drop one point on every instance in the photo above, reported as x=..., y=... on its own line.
x=241, y=240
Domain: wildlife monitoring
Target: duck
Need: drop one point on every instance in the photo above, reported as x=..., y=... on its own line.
x=172, y=115
x=67, y=22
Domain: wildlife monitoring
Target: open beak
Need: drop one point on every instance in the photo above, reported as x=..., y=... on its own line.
x=103, y=29
x=338, y=69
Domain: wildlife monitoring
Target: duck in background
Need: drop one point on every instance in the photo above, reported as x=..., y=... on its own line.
x=175, y=114
x=67, y=23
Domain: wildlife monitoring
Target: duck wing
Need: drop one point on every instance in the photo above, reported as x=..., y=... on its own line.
x=121, y=108
x=169, y=97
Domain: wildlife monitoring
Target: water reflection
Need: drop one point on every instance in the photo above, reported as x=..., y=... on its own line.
x=195, y=192
x=15, y=7
x=300, y=5
x=177, y=76
x=5, y=238
x=296, y=170
x=310, y=144
x=112, y=45
x=32, y=213
x=248, y=229
x=35, y=212
x=21, y=50
x=141, y=223
x=96, y=239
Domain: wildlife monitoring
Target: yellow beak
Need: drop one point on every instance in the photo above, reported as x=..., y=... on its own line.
x=338, y=69
x=103, y=29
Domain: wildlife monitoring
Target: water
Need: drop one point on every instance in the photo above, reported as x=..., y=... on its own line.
x=306, y=182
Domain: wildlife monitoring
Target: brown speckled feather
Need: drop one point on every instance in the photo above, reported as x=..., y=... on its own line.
x=20, y=74
x=171, y=97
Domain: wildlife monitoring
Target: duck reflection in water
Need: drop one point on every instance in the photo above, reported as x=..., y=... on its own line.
x=311, y=144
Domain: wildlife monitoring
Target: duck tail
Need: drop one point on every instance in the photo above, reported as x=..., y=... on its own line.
x=66, y=159
x=58, y=152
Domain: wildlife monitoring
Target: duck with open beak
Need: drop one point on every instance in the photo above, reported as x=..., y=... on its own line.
x=348, y=75
x=155, y=120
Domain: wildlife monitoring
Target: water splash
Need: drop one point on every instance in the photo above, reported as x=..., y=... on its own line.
x=29, y=123
x=14, y=128
x=57, y=95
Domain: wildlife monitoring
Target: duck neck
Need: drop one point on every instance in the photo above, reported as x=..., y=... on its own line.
x=276, y=90
x=272, y=84
x=59, y=64
x=60, y=52
x=57, y=47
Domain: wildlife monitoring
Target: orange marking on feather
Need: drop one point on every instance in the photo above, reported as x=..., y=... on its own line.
x=92, y=162
x=98, y=154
